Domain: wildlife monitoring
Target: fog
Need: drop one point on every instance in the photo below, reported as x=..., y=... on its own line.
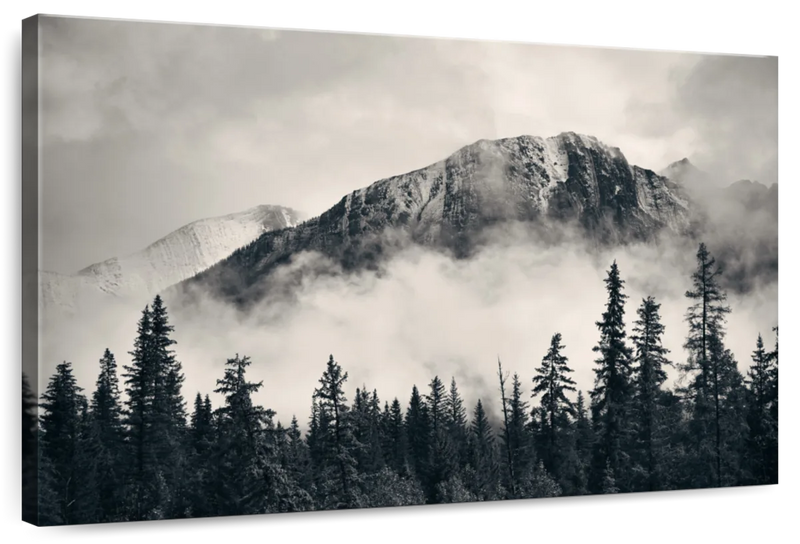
x=422, y=314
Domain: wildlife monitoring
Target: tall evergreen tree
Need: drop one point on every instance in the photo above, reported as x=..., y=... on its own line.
x=441, y=450
x=396, y=442
x=340, y=487
x=649, y=375
x=484, y=473
x=60, y=433
x=612, y=390
x=763, y=430
x=551, y=382
x=418, y=433
x=457, y=425
x=106, y=416
x=708, y=363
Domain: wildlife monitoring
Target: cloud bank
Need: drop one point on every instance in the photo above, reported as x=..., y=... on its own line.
x=422, y=314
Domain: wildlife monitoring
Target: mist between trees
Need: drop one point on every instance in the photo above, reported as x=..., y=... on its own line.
x=134, y=450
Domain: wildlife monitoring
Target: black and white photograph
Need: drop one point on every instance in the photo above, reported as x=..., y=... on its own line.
x=284, y=271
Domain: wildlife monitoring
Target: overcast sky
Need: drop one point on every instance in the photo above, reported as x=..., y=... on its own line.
x=146, y=127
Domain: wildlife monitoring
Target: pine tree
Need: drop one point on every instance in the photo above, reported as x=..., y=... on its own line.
x=60, y=433
x=456, y=422
x=440, y=466
x=612, y=391
x=201, y=438
x=483, y=480
x=709, y=362
x=418, y=433
x=763, y=430
x=239, y=453
x=106, y=416
x=396, y=442
x=649, y=375
x=339, y=467
x=139, y=421
x=551, y=383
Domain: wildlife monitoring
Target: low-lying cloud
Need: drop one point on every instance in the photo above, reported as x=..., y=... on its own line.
x=422, y=314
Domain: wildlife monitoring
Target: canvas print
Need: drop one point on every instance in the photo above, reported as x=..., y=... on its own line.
x=270, y=271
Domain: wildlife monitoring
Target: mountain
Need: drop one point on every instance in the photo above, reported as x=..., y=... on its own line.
x=175, y=257
x=567, y=179
x=739, y=222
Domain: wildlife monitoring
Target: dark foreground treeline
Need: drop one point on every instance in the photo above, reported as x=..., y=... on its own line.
x=104, y=459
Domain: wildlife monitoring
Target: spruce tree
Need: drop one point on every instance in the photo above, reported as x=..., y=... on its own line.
x=418, y=433
x=763, y=430
x=483, y=476
x=140, y=456
x=649, y=375
x=60, y=434
x=396, y=443
x=106, y=416
x=340, y=483
x=440, y=466
x=709, y=365
x=551, y=382
x=612, y=391
x=457, y=425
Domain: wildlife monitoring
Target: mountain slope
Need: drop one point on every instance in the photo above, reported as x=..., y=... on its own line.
x=175, y=257
x=738, y=221
x=568, y=178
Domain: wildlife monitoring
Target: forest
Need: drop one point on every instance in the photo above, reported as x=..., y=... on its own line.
x=134, y=450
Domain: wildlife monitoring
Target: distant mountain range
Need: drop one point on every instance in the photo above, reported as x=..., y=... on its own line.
x=175, y=257
x=545, y=183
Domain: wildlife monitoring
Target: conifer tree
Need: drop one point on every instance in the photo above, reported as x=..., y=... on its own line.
x=551, y=382
x=440, y=465
x=483, y=480
x=143, y=475
x=201, y=438
x=762, y=427
x=340, y=486
x=706, y=319
x=649, y=375
x=396, y=442
x=60, y=433
x=418, y=432
x=239, y=444
x=612, y=391
x=106, y=416
x=457, y=425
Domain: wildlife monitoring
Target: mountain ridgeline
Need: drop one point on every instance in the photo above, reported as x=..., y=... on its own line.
x=569, y=180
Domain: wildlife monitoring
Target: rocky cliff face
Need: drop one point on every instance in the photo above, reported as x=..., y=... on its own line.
x=448, y=205
x=176, y=257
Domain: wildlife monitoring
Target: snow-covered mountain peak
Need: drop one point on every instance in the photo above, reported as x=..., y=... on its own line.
x=171, y=259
